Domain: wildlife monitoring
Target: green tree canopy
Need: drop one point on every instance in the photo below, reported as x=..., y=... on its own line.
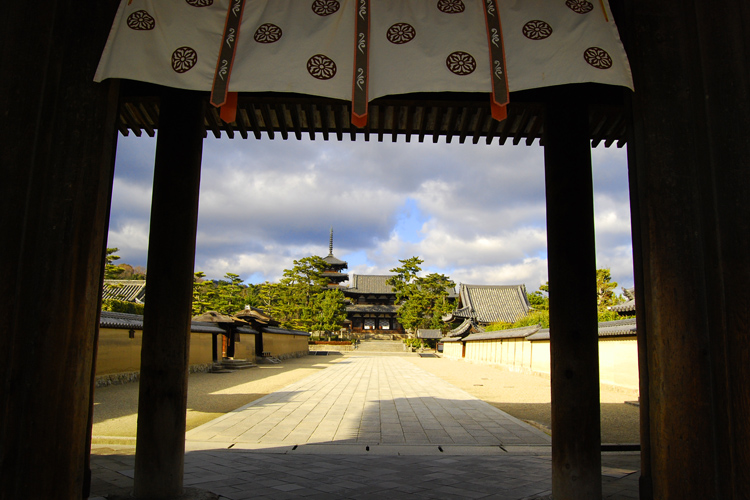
x=539, y=300
x=111, y=271
x=605, y=295
x=226, y=296
x=329, y=311
x=423, y=300
x=302, y=300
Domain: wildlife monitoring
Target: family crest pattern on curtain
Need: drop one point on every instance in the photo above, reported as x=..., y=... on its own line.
x=360, y=50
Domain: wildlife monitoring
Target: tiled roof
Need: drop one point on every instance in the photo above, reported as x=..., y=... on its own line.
x=333, y=273
x=452, y=339
x=126, y=290
x=333, y=261
x=135, y=321
x=429, y=334
x=513, y=333
x=617, y=328
x=629, y=305
x=542, y=334
x=206, y=327
x=463, y=328
x=284, y=331
x=370, y=283
x=376, y=284
x=371, y=308
x=492, y=303
x=111, y=319
x=128, y=321
x=247, y=330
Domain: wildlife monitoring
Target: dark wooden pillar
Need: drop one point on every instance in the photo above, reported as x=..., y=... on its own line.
x=576, y=439
x=691, y=116
x=162, y=403
x=57, y=141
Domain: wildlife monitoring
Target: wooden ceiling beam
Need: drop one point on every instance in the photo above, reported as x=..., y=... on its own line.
x=410, y=110
x=479, y=127
x=337, y=123
x=127, y=114
x=436, y=129
x=253, y=121
x=213, y=121
x=241, y=122
x=295, y=112
x=423, y=122
x=148, y=120
x=381, y=122
x=452, y=121
x=310, y=114
x=280, y=110
x=449, y=115
x=466, y=122
x=492, y=128
x=396, y=121
x=534, y=132
x=506, y=128
x=265, y=113
x=521, y=130
x=325, y=120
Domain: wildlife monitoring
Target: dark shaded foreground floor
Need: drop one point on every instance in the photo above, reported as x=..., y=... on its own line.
x=366, y=427
x=286, y=474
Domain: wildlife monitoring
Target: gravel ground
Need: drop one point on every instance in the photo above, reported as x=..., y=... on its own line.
x=209, y=395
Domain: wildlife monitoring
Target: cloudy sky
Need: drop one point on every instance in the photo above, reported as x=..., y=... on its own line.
x=473, y=212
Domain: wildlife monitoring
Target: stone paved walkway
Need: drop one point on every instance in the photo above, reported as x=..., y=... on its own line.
x=378, y=400
x=368, y=427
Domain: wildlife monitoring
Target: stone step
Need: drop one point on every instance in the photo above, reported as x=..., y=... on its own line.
x=237, y=364
x=380, y=346
x=269, y=360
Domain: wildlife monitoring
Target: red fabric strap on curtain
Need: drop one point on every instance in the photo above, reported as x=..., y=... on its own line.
x=220, y=90
x=361, y=64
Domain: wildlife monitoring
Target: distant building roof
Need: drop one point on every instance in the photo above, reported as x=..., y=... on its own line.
x=491, y=303
x=617, y=328
x=284, y=331
x=127, y=321
x=111, y=319
x=372, y=308
x=125, y=290
x=333, y=261
x=370, y=283
x=464, y=327
x=330, y=259
x=629, y=305
x=512, y=333
x=429, y=334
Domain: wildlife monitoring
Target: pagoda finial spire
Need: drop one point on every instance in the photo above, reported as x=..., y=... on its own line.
x=330, y=243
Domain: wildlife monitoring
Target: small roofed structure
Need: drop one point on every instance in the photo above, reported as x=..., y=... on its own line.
x=481, y=305
x=627, y=308
x=333, y=271
x=255, y=315
x=465, y=328
x=431, y=333
x=125, y=290
x=606, y=329
x=228, y=324
x=373, y=308
x=272, y=342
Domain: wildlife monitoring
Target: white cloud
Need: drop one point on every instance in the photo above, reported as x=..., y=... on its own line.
x=474, y=212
